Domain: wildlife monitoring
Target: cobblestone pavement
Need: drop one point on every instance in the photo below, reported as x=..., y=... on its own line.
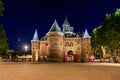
x=59, y=71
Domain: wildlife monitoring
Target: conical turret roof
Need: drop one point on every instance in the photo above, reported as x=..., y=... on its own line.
x=66, y=26
x=66, y=22
x=35, y=37
x=78, y=34
x=86, y=34
x=55, y=27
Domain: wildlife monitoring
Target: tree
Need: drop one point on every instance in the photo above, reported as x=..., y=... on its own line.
x=1, y=8
x=108, y=34
x=3, y=38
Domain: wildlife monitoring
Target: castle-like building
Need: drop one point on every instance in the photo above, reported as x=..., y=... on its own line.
x=61, y=44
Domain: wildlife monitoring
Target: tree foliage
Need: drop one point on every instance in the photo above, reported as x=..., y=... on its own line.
x=1, y=8
x=108, y=34
x=3, y=38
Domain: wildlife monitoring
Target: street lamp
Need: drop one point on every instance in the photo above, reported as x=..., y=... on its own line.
x=26, y=47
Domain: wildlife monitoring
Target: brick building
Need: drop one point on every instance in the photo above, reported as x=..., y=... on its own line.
x=61, y=44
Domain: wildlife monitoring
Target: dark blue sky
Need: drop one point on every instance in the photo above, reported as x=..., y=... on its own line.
x=22, y=17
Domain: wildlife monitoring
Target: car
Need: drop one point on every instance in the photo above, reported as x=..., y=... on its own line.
x=96, y=60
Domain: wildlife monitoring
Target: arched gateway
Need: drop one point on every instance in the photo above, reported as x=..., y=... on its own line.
x=70, y=55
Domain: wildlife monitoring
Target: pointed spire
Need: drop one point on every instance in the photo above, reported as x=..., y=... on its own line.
x=55, y=20
x=35, y=37
x=66, y=26
x=86, y=34
x=55, y=27
x=66, y=17
x=78, y=34
x=66, y=22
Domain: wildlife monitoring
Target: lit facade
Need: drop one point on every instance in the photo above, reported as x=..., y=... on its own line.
x=61, y=44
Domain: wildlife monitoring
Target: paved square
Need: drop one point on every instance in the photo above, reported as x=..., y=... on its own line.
x=58, y=71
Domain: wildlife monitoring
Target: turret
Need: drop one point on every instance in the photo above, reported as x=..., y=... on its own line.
x=35, y=43
x=55, y=39
x=67, y=29
x=86, y=44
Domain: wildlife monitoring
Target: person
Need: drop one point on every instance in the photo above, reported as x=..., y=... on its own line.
x=111, y=60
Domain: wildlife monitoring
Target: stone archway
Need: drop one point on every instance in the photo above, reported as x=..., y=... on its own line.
x=70, y=55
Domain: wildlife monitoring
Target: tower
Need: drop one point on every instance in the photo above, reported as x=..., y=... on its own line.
x=71, y=42
x=35, y=46
x=86, y=44
x=55, y=39
x=67, y=29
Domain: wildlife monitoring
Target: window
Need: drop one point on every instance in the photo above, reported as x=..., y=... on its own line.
x=66, y=44
x=60, y=43
x=71, y=44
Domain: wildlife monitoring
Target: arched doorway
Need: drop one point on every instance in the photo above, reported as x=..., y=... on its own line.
x=70, y=57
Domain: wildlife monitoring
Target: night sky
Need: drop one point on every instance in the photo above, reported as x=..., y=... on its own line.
x=22, y=17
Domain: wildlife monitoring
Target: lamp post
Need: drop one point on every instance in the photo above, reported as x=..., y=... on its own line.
x=26, y=47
